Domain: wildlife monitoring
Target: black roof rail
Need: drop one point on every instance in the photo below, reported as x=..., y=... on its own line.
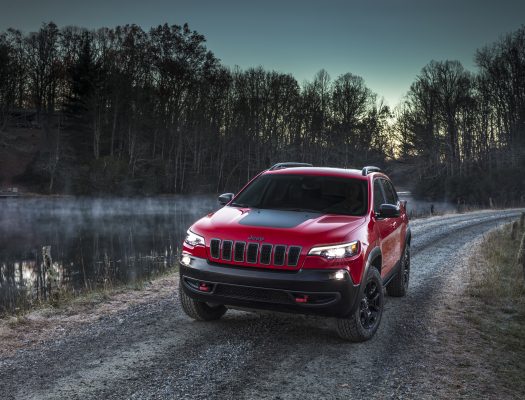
x=288, y=165
x=369, y=169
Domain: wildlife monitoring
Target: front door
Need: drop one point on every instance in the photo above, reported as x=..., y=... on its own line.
x=387, y=229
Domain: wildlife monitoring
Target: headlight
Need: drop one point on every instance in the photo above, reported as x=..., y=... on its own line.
x=344, y=250
x=193, y=239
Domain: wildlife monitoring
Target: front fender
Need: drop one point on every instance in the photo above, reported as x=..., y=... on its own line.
x=371, y=260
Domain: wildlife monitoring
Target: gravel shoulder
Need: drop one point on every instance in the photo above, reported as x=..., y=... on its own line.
x=141, y=345
x=47, y=323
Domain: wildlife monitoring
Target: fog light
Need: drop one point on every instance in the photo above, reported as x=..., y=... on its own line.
x=340, y=274
x=185, y=260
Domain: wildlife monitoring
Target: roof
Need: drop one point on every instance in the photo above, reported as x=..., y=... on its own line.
x=320, y=171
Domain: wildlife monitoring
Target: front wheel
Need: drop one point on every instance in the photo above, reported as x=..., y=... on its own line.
x=363, y=323
x=200, y=310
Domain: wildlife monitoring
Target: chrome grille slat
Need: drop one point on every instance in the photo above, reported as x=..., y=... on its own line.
x=279, y=255
x=238, y=253
x=215, y=248
x=251, y=253
x=293, y=255
x=227, y=250
x=266, y=254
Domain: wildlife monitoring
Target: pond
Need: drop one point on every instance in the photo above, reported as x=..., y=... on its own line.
x=52, y=246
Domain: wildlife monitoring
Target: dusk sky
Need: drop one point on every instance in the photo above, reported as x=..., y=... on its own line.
x=387, y=42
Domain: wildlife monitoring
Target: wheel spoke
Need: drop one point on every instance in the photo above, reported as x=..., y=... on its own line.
x=374, y=299
x=372, y=288
x=364, y=319
x=370, y=305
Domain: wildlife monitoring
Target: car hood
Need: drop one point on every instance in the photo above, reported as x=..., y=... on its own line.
x=277, y=227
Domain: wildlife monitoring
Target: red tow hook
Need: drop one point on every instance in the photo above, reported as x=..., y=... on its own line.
x=203, y=287
x=302, y=298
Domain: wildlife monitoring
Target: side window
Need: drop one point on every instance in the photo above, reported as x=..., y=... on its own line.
x=396, y=197
x=390, y=193
x=378, y=195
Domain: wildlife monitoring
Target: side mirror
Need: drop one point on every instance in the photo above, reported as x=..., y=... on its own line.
x=225, y=198
x=388, y=211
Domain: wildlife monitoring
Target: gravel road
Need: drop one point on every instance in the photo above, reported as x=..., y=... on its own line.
x=153, y=351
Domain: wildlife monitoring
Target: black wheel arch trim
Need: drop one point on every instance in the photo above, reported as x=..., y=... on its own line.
x=376, y=252
x=372, y=256
x=408, y=236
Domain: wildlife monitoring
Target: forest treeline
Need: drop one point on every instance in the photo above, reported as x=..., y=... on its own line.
x=125, y=111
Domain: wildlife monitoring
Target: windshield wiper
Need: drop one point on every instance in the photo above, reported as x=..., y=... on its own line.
x=241, y=205
x=298, y=209
x=334, y=210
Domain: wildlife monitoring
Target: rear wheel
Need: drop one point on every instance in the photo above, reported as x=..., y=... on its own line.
x=200, y=310
x=399, y=285
x=363, y=323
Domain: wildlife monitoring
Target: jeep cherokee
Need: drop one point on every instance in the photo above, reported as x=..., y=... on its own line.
x=300, y=239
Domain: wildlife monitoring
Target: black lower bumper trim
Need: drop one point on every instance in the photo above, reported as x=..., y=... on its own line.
x=302, y=291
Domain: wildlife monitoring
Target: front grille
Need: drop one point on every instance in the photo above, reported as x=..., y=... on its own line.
x=252, y=253
x=279, y=255
x=293, y=255
x=215, y=248
x=227, y=250
x=239, y=251
x=266, y=254
x=250, y=293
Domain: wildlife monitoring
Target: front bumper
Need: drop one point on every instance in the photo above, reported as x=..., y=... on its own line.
x=304, y=291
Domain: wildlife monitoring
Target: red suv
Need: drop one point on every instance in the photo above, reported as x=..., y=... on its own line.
x=322, y=241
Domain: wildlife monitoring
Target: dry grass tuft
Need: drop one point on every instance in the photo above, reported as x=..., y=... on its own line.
x=496, y=281
x=495, y=274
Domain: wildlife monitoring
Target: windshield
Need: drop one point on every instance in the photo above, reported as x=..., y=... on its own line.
x=320, y=194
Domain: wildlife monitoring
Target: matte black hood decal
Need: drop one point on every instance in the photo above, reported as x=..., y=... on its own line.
x=276, y=218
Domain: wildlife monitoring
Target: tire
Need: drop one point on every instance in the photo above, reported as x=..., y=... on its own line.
x=398, y=287
x=199, y=310
x=364, y=321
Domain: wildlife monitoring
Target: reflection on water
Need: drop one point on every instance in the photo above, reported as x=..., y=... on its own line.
x=54, y=245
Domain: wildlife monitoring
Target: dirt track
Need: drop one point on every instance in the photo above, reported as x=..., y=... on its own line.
x=153, y=351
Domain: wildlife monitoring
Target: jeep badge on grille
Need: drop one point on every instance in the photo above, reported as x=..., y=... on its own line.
x=256, y=238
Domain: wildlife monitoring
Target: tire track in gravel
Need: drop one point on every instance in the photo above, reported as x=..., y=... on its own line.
x=153, y=351
x=427, y=230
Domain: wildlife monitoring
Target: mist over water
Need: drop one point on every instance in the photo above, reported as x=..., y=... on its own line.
x=50, y=246
x=424, y=208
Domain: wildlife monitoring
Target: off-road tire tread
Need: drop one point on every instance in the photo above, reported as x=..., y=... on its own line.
x=198, y=310
x=396, y=287
x=350, y=328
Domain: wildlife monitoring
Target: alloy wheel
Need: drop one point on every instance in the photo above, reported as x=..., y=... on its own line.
x=370, y=306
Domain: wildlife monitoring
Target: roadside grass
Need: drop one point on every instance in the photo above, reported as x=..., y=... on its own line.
x=85, y=299
x=497, y=286
x=52, y=320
